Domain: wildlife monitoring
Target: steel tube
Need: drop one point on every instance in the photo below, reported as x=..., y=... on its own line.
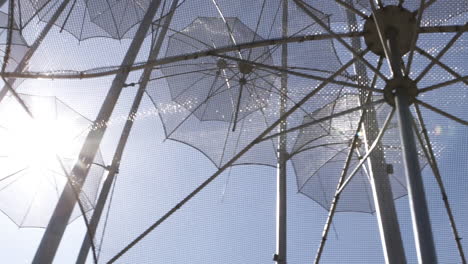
x=417, y=199
x=59, y=220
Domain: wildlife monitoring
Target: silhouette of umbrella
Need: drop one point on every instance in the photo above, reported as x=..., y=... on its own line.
x=31, y=176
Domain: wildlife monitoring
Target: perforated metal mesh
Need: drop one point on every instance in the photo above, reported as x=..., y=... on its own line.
x=232, y=219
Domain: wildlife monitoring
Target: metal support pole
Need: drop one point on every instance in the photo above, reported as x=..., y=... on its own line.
x=419, y=212
x=25, y=60
x=114, y=168
x=281, y=181
x=59, y=220
x=387, y=219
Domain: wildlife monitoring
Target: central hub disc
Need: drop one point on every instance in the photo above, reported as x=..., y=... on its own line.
x=404, y=86
x=390, y=18
x=245, y=68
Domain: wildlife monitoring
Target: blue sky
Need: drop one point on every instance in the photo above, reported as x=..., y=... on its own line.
x=239, y=227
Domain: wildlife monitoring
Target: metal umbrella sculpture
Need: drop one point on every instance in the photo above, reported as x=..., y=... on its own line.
x=207, y=107
x=29, y=165
x=424, y=45
x=426, y=62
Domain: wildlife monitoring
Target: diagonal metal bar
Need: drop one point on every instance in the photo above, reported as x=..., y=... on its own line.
x=435, y=169
x=441, y=112
x=351, y=8
x=336, y=198
x=369, y=152
x=303, y=6
x=443, y=84
x=316, y=121
x=116, y=160
x=76, y=193
x=441, y=53
x=444, y=29
x=230, y=162
x=438, y=62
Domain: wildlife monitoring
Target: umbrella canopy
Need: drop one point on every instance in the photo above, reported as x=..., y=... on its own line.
x=18, y=47
x=320, y=152
x=33, y=149
x=86, y=19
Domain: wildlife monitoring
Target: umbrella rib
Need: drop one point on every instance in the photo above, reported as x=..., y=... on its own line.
x=351, y=8
x=302, y=5
x=414, y=37
x=438, y=62
x=113, y=19
x=439, y=56
x=15, y=180
x=31, y=203
x=67, y=17
x=107, y=218
x=300, y=74
x=443, y=84
x=371, y=149
x=12, y=174
x=319, y=168
x=229, y=163
x=370, y=104
x=441, y=112
x=435, y=169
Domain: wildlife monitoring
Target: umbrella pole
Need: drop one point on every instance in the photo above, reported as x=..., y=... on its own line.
x=281, y=192
x=419, y=212
x=59, y=220
x=25, y=60
x=387, y=219
x=114, y=168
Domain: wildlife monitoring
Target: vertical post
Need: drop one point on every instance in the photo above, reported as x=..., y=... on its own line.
x=25, y=60
x=114, y=168
x=387, y=219
x=419, y=212
x=281, y=193
x=59, y=220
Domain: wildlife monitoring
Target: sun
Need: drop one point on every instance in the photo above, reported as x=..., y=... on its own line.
x=37, y=143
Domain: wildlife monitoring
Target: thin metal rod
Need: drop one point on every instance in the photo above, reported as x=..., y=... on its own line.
x=96, y=73
x=99, y=72
x=440, y=112
x=443, y=84
x=281, y=178
x=369, y=152
x=424, y=241
x=59, y=220
x=230, y=162
x=336, y=198
x=438, y=57
x=316, y=121
x=435, y=169
x=114, y=168
x=300, y=74
x=351, y=8
x=25, y=60
x=303, y=6
x=442, y=65
x=414, y=37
